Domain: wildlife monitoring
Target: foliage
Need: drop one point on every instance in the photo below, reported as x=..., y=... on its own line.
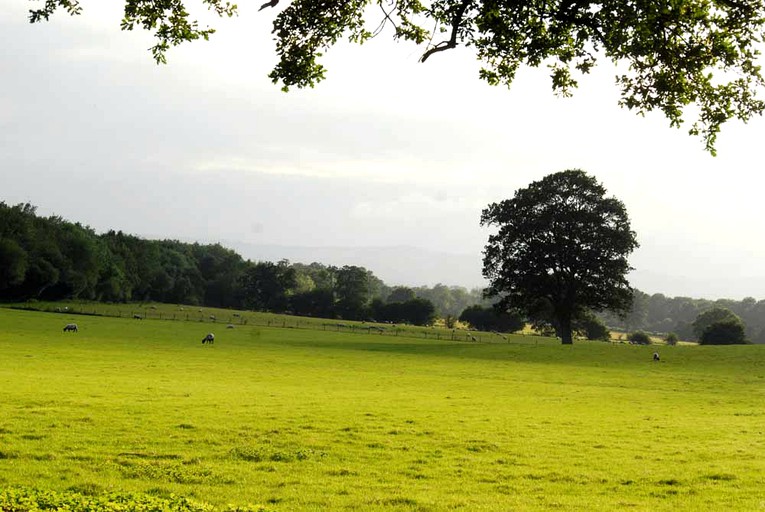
x=712, y=316
x=23, y=499
x=415, y=311
x=319, y=302
x=400, y=294
x=671, y=339
x=661, y=314
x=491, y=319
x=560, y=242
x=591, y=327
x=639, y=338
x=451, y=300
x=52, y=259
x=353, y=291
x=266, y=285
x=728, y=331
x=674, y=55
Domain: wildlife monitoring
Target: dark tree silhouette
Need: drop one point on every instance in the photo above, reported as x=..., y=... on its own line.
x=712, y=316
x=562, y=242
x=724, y=332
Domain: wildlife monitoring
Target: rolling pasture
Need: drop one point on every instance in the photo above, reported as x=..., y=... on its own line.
x=301, y=419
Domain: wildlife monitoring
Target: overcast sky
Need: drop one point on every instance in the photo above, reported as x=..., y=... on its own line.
x=385, y=152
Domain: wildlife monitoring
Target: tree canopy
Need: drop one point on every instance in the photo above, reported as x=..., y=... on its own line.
x=711, y=316
x=670, y=54
x=491, y=319
x=561, y=245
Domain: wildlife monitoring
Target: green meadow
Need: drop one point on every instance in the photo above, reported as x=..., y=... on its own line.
x=314, y=419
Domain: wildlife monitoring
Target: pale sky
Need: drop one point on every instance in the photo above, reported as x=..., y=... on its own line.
x=385, y=152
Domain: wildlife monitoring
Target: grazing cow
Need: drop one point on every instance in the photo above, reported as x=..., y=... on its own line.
x=210, y=338
x=230, y=326
x=137, y=317
x=212, y=317
x=70, y=327
x=656, y=356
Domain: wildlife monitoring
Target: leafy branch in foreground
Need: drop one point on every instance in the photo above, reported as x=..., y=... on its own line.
x=673, y=54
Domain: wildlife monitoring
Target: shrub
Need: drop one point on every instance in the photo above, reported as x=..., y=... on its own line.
x=592, y=327
x=639, y=338
x=25, y=499
x=671, y=339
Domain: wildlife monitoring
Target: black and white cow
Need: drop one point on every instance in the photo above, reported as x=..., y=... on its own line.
x=70, y=327
x=210, y=338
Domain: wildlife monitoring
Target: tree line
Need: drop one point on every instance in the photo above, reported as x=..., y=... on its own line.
x=49, y=258
x=660, y=314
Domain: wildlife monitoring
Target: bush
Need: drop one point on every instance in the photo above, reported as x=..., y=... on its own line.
x=671, y=339
x=592, y=327
x=639, y=338
x=724, y=332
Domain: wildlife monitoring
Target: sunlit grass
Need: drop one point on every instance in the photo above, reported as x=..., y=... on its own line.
x=300, y=419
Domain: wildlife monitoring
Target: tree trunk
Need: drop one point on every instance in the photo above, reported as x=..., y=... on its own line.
x=564, y=322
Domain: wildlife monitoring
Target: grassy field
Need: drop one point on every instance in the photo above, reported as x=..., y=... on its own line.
x=299, y=419
x=219, y=318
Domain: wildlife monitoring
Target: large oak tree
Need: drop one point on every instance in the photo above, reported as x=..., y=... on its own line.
x=672, y=54
x=562, y=245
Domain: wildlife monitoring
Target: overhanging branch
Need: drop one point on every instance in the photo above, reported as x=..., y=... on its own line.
x=272, y=3
x=452, y=42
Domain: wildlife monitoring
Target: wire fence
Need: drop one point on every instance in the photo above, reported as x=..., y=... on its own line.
x=232, y=319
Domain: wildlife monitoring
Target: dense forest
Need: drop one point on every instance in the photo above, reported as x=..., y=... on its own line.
x=48, y=258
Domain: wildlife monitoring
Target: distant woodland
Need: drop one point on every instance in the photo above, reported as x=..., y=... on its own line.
x=49, y=258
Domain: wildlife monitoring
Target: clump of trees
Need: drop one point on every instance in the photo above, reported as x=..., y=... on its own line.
x=724, y=332
x=492, y=319
x=415, y=311
x=719, y=326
